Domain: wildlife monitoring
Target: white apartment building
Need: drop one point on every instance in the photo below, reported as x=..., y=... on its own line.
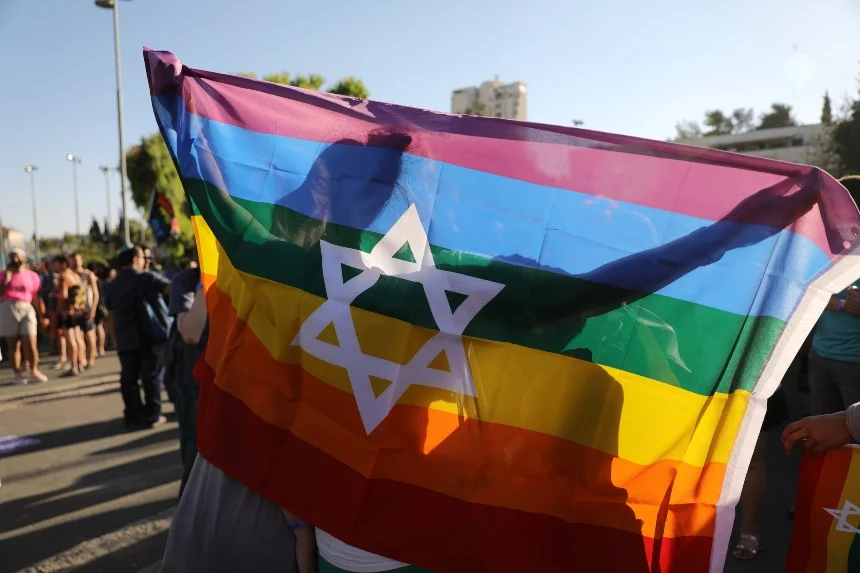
x=500, y=100
x=797, y=144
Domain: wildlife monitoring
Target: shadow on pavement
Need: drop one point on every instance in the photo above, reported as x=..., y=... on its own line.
x=30, y=548
x=90, y=490
x=128, y=559
x=71, y=435
x=148, y=440
x=97, y=487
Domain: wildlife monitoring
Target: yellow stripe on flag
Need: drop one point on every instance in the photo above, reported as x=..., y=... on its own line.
x=839, y=542
x=650, y=421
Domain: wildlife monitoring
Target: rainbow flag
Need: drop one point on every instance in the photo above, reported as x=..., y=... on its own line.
x=827, y=518
x=478, y=345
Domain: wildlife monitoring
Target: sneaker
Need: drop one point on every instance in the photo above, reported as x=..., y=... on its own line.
x=158, y=421
x=69, y=373
x=60, y=365
x=19, y=380
x=38, y=376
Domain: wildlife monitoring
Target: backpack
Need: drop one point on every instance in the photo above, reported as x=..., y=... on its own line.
x=77, y=295
x=154, y=320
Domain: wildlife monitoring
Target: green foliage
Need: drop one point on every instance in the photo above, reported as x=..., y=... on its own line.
x=479, y=108
x=310, y=82
x=150, y=166
x=352, y=87
x=349, y=86
x=281, y=78
x=845, y=140
x=687, y=130
x=718, y=123
x=96, y=234
x=778, y=116
x=826, y=112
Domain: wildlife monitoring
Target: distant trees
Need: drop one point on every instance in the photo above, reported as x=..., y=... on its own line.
x=717, y=122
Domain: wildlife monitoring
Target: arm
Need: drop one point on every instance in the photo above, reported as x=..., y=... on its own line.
x=821, y=433
x=5, y=282
x=306, y=547
x=192, y=323
x=94, y=284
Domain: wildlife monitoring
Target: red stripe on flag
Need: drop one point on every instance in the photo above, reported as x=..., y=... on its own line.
x=443, y=533
x=799, y=551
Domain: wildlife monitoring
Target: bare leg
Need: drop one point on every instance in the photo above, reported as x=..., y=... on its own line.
x=31, y=352
x=82, y=348
x=751, y=497
x=72, y=345
x=91, y=346
x=100, y=338
x=15, y=352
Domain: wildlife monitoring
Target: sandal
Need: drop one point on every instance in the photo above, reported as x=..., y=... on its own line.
x=747, y=547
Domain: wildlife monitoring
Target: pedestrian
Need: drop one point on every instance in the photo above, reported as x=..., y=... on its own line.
x=186, y=343
x=86, y=322
x=71, y=303
x=21, y=310
x=134, y=300
x=109, y=331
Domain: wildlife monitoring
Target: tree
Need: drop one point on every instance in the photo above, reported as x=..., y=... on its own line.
x=479, y=108
x=845, y=140
x=826, y=112
x=96, y=235
x=348, y=86
x=778, y=116
x=687, y=130
x=719, y=123
x=351, y=87
x=742, y=120
x=309, y=82
x=150, y=166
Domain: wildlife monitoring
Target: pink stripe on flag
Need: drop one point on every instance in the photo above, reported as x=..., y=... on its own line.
x=702, y=183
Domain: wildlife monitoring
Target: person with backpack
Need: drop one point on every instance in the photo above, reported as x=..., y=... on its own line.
x=142, y=326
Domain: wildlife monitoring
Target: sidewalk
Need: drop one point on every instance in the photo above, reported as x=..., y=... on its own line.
x=105, y=370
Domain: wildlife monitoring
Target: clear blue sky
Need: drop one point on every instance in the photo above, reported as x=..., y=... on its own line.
x=623, y=66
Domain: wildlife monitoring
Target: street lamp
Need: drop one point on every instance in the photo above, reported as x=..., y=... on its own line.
x=106, y=169
x=75, y=162
x=31, y=169
x=114, y=5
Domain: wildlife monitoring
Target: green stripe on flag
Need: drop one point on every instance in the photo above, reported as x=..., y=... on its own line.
x=698, y=348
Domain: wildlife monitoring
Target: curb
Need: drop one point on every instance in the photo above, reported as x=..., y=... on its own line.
x=46, y=389
x=90, y=550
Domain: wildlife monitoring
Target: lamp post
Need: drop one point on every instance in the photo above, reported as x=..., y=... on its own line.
x=106, y=169
x=75, y=162
x=31, y=169
x=114, y=5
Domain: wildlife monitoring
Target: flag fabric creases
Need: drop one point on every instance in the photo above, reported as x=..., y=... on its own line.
x=480, y=345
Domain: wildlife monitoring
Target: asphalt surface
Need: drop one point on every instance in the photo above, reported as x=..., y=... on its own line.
x=85, y=478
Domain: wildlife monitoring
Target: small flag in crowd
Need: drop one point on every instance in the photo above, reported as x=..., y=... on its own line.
x=827, y=515
x=479, y=345
x=162, y=219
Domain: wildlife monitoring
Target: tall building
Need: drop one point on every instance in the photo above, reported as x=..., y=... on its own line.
x=796, y=143
x=492, y=98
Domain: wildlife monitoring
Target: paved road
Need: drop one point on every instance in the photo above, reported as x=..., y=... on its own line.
x=105, y=369
x=87, y=477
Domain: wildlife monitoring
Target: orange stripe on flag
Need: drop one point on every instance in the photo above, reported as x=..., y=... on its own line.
x=827, y=494
x=479, y=462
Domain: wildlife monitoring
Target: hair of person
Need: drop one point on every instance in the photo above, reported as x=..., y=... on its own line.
x=126, y=257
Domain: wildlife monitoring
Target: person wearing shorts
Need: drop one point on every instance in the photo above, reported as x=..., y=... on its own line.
x=86, y=321
x=70, y=303
x=18, y=317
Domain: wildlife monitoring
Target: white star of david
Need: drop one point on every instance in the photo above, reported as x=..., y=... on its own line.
x=848, y=509
x=347, y=353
